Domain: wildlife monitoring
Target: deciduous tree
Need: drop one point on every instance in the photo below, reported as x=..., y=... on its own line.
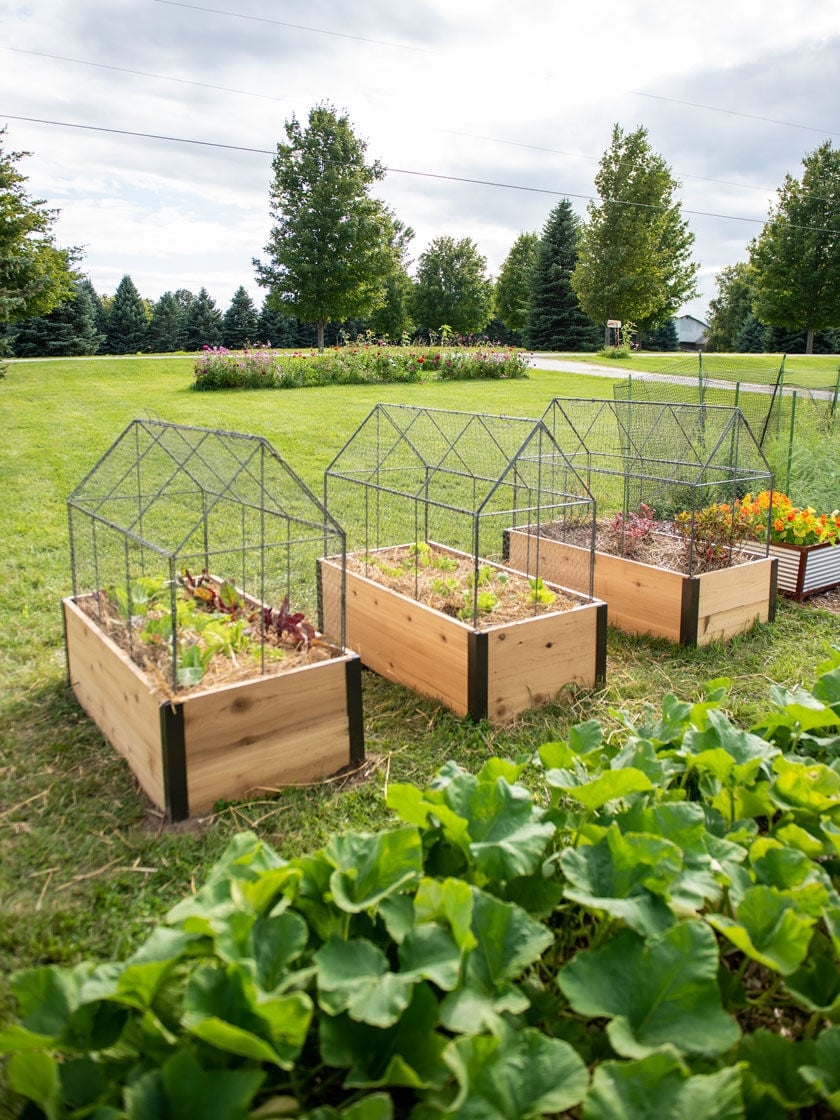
x=796, y=257
x=35, y=275
x=731, y=307
x=452, y=287
x=512, y=296
x=634, y=252
x=330, y=249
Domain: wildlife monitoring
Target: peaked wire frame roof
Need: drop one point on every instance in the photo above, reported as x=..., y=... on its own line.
x=417, y=452
x=159, y=482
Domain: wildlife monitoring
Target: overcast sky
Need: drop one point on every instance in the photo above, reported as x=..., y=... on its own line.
x=517, y=98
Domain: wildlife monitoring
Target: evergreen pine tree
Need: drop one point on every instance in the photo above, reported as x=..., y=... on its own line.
x=166, y=326
x=275, y=328
x=239, y=323
x=662, y=338
x=202, y=322
x=68, y=330
x=555, y=320
x=127, y=324
x=752, y=337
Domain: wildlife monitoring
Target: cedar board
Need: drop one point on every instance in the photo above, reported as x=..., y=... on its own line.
x=494, y=673
x=270, y=731
x=642, y=599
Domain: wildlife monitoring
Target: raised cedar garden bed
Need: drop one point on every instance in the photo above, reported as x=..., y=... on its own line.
x=488, y=665
x=236, y=732
x=651, y=598
x=210, y=688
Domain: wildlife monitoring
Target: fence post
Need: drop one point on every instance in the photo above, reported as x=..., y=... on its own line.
x=834, y=395
x=791, y=436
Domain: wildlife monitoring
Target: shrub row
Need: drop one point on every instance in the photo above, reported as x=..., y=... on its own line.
x=218, y=368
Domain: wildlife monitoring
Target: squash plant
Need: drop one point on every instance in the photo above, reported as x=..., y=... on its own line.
x=635, y=924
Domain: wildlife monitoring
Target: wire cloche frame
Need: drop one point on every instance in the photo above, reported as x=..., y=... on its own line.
x=671, y=460
x=456, y=479
x=168, y=499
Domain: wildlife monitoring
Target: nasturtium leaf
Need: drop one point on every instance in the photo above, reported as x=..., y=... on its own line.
x=447, y=901
x=369, y=867
x=773, y=1068
x=407, y=1054
x=656, y=991
x=660, y=1086
x=824, y=1073
x=624, y=874
x=609, y=786
x=515, y=1076
x=353, y=976
x=768, y=928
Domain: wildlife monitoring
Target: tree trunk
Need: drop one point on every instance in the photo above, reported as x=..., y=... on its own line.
x=320, y=324
x=809, y=340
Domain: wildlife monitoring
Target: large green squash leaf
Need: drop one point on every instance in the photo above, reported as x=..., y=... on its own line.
x=656, y=991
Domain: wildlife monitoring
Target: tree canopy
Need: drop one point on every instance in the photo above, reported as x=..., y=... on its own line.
x=331, y=247
x=796, y=257
x=35, y=275
x=513, y=287
x=452, y=287
x=634, y=251
x=730, y=309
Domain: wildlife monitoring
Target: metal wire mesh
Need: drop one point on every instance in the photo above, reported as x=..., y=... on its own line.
x=455, y=479
x=671, y=457
x=165, y=499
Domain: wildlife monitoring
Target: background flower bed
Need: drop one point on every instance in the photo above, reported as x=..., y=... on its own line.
x=218, y=368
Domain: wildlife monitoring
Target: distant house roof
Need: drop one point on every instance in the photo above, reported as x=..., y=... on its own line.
x=691, y=330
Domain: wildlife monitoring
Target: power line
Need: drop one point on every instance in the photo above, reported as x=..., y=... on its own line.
x=405, y=171
x=445, y=131
x=295, y=26
x=734, y=113
x=142, y=73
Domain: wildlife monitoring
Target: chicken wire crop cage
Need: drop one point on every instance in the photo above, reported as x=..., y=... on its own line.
x=666, y=478
x=196, y=597
x=427, y=497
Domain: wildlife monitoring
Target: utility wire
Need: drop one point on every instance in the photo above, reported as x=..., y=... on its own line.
x=294, y=26
x=143, y=73
x=405, y=171
x=734, y=113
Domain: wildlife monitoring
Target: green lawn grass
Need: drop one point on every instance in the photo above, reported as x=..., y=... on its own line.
x=810, y=371
x=85, y=868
